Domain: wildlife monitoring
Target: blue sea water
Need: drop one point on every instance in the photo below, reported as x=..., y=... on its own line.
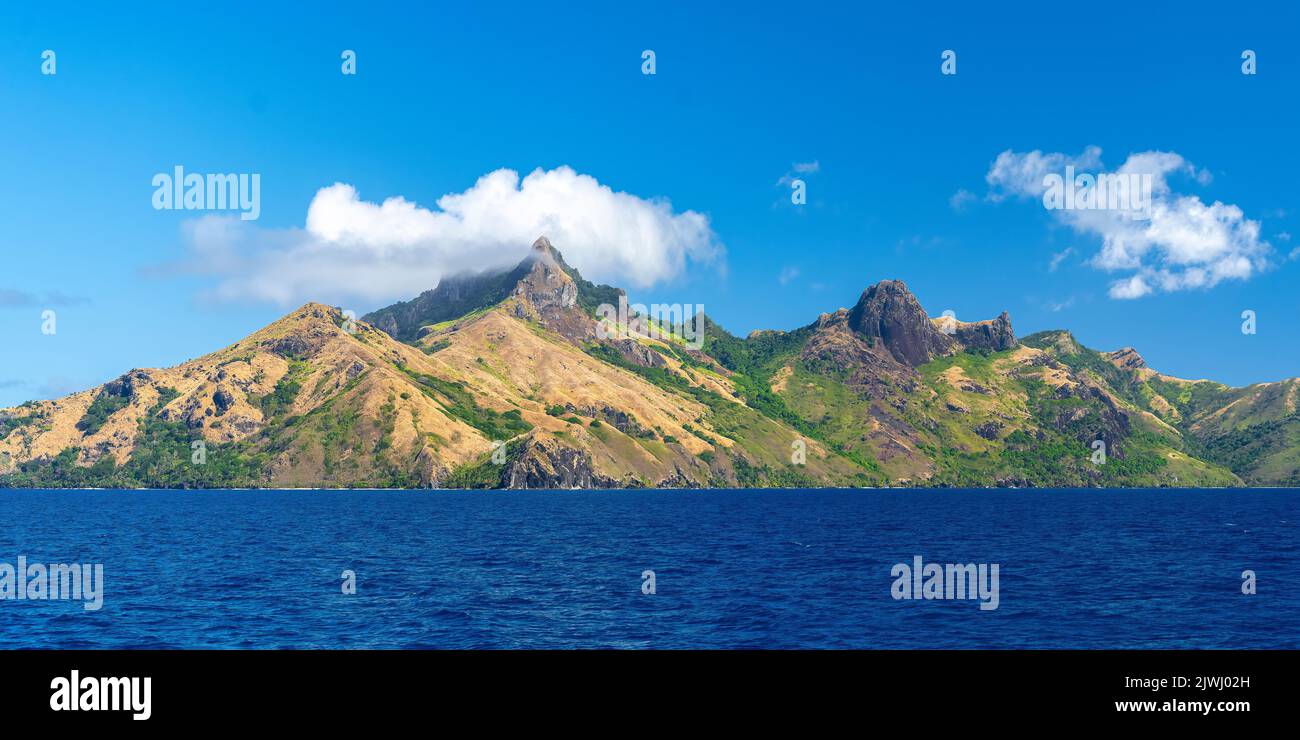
x=733, y=569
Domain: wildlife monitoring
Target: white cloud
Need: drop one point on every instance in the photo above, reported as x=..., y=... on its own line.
x=1184, y=244
x=961, y=199
x=352, y=248
x=1058, y=306
x=787, y=274
x=1058, y=258
x=1133, y=287
x=799, y=168
x=1022, y=174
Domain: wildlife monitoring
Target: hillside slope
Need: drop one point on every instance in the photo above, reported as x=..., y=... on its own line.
x=507, y=380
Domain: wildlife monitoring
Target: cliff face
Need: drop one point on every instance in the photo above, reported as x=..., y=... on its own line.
x=455, y=296
x=501, y=380
x=887, y=311
x=995, y=335
x=547, y=294
x=547, y=289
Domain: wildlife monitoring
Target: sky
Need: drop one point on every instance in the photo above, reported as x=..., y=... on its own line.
x=467, y=130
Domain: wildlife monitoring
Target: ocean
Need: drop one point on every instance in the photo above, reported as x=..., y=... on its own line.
x=731, y=569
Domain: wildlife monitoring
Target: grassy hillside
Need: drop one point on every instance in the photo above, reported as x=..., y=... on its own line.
x=513, y=386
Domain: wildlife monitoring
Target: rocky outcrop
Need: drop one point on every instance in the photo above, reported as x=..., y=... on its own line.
x=548, y=295
x=995, y=335
x=547, y=286
x=547, y=290
x=1126, y=359
x=638, y=354
x=889, y=313
x=223, y=400
x=543, y=462
x=1100, y=419
x=866, y=362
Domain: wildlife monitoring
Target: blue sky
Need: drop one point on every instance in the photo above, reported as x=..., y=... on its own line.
x=445, y=95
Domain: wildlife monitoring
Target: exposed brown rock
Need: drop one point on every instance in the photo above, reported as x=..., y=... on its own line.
x=1127, y=359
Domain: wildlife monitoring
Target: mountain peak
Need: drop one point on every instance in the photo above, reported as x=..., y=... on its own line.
x=1126, y=358
x=544, y=253
x=889, y=312
x=1059, y=342
x=547, y=293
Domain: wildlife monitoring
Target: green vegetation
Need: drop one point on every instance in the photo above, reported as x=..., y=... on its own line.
x=9, y=424
x=105, y=405
x=483, y=473
x=731, y=419
x=1013, y=418
x=285, y=392
x=164, y=457
x=749, y=475
x=1269, y=446
x=437, y=346
x=457, y=401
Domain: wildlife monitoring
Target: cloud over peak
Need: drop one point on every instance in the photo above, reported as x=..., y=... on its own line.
x=351, y=248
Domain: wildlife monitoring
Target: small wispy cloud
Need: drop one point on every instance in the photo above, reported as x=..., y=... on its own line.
x=59, y=298
x=1057, y=307
x=58, y=386
x=1058, y=258
x=961, y=199
x=10, y=298
x=797, y=169
x=919, y=241
x=13, y=298
x=787, y=274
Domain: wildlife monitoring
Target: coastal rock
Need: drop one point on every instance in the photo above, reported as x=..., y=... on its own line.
x=545, y=463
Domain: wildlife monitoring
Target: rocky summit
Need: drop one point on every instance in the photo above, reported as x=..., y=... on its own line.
x=501, y=379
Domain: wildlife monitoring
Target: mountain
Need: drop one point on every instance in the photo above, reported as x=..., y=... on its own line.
x=458, y=295
x=506, y=379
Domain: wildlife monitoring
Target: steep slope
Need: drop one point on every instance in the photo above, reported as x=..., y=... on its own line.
x=942, y=402
x=459, y=295
x=304, y=401
x=1252, y=431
